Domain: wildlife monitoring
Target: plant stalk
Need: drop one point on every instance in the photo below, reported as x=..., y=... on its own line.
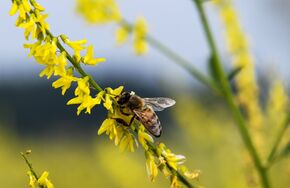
x=229, y=97
x=271, y=157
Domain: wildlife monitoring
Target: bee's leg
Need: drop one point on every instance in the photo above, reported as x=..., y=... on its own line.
x=121, y=121
x=132, y=119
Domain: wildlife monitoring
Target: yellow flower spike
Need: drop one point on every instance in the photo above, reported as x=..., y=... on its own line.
x=89, y=58
x=99, y=11
x=13, y=9
x=140, y=31
x=144, y=137
x=32, y=179
x=151, y=166
x=122, y=34
x=44, y=181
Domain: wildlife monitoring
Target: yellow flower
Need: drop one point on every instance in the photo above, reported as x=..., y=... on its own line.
x=29, y=27
x=22, y=7
x=89, y=57
x=144, y=137
x=77, y=46
x=174, y=182
x=191, y=175
x=64, y=81
x=110, y=127
x=32, y=179
x=60, y=67
x=151, y=166
x=108, y=96
x=99, y=11
x=44, y=181
x=83, y=87
x=13, y=9
x=127, y=142
x=122, y=34
x=36, y=5
x=140, y=31
x=171, y=159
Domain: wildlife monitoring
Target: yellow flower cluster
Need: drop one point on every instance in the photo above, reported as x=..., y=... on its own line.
x=248, y=94
x=168, y=163
x=139, y=31
x=42, y=181
x=107, y=11
x=99, y=11
x=48, y=51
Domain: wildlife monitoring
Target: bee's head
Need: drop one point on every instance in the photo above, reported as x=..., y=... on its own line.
x=125, y=97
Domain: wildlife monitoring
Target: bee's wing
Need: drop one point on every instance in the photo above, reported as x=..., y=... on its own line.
x=159, y=103
x=150, y=120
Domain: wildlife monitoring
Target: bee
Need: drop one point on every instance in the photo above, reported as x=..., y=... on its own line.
x=144, y=109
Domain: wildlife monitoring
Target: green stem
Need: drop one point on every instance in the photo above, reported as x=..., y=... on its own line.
x=175, y=57
x=229, y=97
x=271, y=157
x=181, y=61
x=29, y=165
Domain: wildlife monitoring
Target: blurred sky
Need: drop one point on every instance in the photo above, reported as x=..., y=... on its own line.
x=174, y=22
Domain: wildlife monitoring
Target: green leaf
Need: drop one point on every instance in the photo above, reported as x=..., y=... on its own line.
x=213, y=69
x=233, y=73
x=286, y=150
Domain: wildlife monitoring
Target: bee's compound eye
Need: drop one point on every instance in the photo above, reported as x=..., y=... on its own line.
x=125, y=96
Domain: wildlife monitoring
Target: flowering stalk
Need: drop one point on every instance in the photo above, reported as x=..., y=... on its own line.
x=35, y=180
x=229, y=97
x=49, y=51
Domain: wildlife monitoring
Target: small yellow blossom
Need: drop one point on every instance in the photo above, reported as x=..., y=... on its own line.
x=64, y=81
x=140, y=31
x=151, y=166
x=37, y=5
x=32, y=179
x=122, y=34
x=127, y=142
x=60, y=67
x=109, y=126
x=83, y=87
x=44, y=181
x=77, y=46
x=89, y=57
x=174, y=182
x=144, y=137
x=13, y=9
x=171, y=159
